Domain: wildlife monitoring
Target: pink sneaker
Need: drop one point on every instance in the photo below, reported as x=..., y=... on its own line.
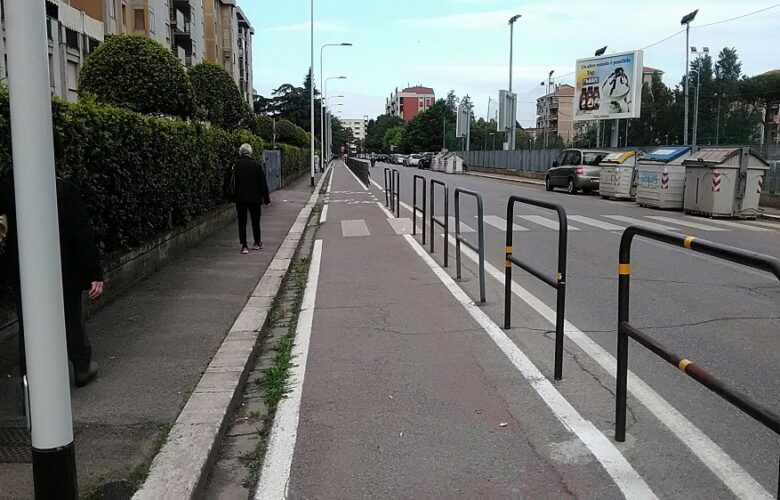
x=244, y=250
x=258, y=246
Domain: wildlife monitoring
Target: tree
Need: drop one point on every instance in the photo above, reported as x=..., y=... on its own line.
x=763, y=93
x=137, y=73
x=659, y=123
x=217, y=94
x=425, y=131
x=262, y=126
x=393, y=139
x=377, y=129
x=292, y=103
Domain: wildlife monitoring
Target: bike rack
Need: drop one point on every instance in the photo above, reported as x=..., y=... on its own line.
x=625, y=330
x=416, y=209
x=558, y=282
x=395, y=186
x=388, y=185
x=480, y=248
x=446, y=222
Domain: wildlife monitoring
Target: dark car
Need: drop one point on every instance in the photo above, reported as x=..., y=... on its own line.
x=425, y=161
x=575, y=169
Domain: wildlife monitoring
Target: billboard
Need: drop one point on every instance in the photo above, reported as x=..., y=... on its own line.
x=609, y=87
x=507, y=110
x=463, y=121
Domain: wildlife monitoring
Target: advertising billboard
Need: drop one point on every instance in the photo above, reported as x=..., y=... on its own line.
x=507, y=109
x=609, y=87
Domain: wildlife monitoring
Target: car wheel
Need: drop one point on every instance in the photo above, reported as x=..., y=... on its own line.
x=548, y=184
x=571, y=189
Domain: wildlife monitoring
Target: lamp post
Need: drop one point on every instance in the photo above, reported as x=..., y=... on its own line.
x=48, y=388
x=325, y=88
x=322, y=99
x=549, y=103
x=311, y=95
x=686, y=21
x=717, y=121
x=511, y=139
x=696, y=108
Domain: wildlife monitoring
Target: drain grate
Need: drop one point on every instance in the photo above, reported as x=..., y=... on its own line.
x=15, y=445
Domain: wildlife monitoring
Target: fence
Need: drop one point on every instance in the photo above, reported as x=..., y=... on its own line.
x=772, y=178
x=273, y=169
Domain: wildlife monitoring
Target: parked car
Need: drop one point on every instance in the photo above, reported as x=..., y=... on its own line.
x=412, y=160
x=426, y=160
x=575, y=169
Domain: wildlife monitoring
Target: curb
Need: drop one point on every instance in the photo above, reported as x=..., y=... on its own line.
x=509, y=178
x=765, y=215
x=181, y=467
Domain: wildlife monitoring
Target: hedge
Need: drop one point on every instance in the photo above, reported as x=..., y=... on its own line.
x=217, y=94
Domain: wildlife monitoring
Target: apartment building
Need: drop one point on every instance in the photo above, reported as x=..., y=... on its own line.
x=72, y=36
x=358, y=127
x=555, y=114
x=244, y=76
x=410, y=102
x=228, y=38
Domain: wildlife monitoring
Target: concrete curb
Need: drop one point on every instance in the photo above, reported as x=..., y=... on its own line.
x=773, y=217
x=181, y=467
x=510, y=178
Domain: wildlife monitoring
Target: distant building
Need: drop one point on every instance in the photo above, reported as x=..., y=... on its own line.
x=358, y=127
x=244, y=76
x=72, y=36
x=555, y=114
x=647, y=74
x=410, y=102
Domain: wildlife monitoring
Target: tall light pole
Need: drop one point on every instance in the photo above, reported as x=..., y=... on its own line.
x=311, y=92
x=686, y=21
x=511, y=139
x=325, y=91
x=696, y=108
x=717, y=122
x=322, y=99
x=549, y=103
x=49, y=410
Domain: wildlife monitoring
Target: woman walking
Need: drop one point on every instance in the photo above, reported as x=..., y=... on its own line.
x=246, y=185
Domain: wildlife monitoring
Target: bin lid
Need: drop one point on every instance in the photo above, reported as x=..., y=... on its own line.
x=665, y=154
x=717, y=156
x=618, y=158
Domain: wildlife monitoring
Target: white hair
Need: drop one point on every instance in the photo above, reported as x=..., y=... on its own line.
x=245, y=150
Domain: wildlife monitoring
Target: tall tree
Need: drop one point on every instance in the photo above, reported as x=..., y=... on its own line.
x=431, y=129
x=393, y=139
x=376, y=130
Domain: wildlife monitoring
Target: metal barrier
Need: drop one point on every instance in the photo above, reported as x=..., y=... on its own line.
x=393, y=190
x=416, y=209
x=445, y=224
x=558, y=282
x=735, y=255
x=480, y=247
x=388, y=185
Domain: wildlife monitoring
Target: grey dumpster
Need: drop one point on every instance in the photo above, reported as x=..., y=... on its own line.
x=617, y=176
x=661, y=178
x=724, y=182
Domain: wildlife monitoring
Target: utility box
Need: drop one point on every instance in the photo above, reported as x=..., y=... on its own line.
x=724, y=182
x=617, y=176
x=661, y=178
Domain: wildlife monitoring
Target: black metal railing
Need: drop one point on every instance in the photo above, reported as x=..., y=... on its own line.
x=396, y=187
x=388, y=186
x=420, y=209
x=558, y=282
x=625, y=330
x=444, y=223
x=479, y=248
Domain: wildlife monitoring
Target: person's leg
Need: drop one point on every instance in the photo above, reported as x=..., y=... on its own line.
x=241, y=209
x=79, y=348
x=254, y=212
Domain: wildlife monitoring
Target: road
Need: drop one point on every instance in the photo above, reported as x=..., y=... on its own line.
x=725, y=317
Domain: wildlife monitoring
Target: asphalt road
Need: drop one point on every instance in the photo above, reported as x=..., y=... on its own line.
x=722, y=316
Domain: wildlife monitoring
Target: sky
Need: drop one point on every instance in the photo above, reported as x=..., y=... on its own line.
x=463, y=45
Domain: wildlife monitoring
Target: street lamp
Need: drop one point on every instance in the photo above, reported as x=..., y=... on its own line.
x=322, y=100
x=601, y=51
x=696, y=100
x=686, y=21
x=511, y=140
x=717, y=122
x=325, y=88
x=311, y=95
x=548, y=100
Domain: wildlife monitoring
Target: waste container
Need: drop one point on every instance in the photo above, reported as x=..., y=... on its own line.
x=661, y=178
x=616, y=178
x=724, y=182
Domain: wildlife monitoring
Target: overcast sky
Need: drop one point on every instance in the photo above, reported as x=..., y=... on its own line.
x=463, y=45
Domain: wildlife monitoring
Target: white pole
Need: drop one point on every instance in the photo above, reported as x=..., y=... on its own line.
x=311, y=89
x=322, y=110
x=511, y=139
x=696, y=111
x=54, y=461
x=687, y=79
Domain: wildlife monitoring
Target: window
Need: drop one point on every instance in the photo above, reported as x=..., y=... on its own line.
x=124, y=18
x=139, y=21
x=112, y=9
x=152, y=22
x=71, y=38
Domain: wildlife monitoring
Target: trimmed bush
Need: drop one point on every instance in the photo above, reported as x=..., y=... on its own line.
x=295, y=161
x=217, y=93
x=262, y=126
x=137, y=73
x=286, y=132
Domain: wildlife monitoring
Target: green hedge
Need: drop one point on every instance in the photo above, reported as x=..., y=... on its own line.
x=295, y=162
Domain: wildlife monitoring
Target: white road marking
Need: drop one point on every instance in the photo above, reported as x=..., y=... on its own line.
x=324, y=214
x=680, y=222
x=275, y=476
x=626, y=478
x=354, y=228
x=773, y=225
x=544, y=221
x=640, y=222
x=500, y=223
x=725, y=468
x=595, y=223
x=330, y=181
x=464, y=228
x=401, y=226
x=728, y=223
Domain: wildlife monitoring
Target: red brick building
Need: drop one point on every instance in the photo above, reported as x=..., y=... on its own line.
x=410, y=102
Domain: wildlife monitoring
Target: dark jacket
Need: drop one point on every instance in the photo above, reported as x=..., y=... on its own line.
x=251, y=184
x=78, y=252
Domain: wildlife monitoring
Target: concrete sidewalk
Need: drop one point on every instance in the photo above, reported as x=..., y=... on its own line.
x=405, y=396
x=152, y=346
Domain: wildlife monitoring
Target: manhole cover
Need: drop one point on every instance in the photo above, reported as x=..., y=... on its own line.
x=15, y=445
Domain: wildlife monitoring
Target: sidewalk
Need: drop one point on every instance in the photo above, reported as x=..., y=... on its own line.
x=152, y=346
x=405, y=395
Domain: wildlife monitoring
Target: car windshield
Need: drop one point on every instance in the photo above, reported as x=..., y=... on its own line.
x=416, y=157
x=592, y=159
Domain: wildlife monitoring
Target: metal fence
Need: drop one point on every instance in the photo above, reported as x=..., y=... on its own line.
x=273, y=169
x=772, y=178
